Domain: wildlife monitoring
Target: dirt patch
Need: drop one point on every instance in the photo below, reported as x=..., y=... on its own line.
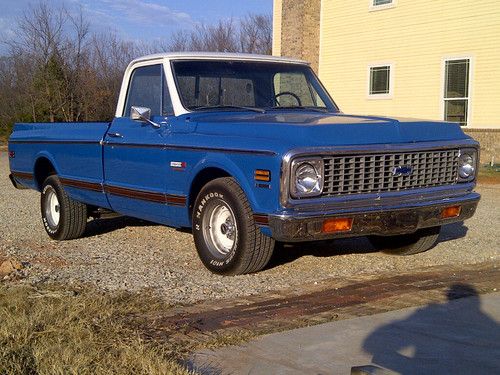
x=488, y=180
x=489, y=175
x=51, y=261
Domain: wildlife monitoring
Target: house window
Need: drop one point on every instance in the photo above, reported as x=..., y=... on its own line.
x=456, y=90
x=381, y=2
x=380, y=81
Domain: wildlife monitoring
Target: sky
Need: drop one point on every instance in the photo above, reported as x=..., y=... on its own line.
x=136, y=20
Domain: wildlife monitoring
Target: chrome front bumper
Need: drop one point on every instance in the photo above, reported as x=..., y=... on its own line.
x=402, y=218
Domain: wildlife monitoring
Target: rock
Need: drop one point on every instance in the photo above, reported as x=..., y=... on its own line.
x=16, y=264
x=9, y=266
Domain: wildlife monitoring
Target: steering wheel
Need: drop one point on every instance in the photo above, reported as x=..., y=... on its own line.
x=295, y=96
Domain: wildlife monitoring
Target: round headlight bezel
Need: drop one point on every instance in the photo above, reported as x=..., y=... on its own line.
x=306, y=178
x=467, y=165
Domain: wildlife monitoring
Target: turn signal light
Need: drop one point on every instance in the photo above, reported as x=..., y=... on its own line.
x=262, y=175
x=343, y=224
x=452, y=211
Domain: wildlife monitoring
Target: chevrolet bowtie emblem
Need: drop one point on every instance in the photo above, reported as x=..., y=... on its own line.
x=402, y=170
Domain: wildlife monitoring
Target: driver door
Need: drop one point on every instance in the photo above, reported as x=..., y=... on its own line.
x=134, y=153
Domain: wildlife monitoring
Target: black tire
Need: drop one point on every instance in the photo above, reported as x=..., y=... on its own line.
x=72, y=219
x=407, y=244
x=249, y=251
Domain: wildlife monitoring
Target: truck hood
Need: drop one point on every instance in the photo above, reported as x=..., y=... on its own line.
x=306, y=129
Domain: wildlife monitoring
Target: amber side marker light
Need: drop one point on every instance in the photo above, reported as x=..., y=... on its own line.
x=343, y=224
x=452, y=211
x=262, y=175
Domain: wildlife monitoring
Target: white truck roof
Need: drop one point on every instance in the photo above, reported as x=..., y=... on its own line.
x=216, y=56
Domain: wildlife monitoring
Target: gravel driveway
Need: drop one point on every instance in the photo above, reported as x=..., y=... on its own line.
x=125, y=253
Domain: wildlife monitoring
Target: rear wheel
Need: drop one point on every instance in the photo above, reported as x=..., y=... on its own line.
x=407, y=244
x=225, y=234
x=63, y=218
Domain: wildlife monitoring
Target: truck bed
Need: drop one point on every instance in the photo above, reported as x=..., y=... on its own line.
x=77, y=147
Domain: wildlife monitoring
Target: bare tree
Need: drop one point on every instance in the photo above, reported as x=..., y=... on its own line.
x=180, y=41
x=109, y=56
x=252, y=34
x=256, y=34
x=39, y=32
x=58, y=70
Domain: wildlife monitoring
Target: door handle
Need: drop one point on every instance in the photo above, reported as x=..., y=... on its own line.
x=115, y=135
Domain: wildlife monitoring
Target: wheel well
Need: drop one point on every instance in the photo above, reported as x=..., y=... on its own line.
x=201, y=179
x=43, y=169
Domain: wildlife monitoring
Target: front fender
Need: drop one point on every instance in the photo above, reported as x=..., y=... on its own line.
x=225, y=163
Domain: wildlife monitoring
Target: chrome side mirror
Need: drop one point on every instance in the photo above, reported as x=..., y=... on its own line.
x=142, y=114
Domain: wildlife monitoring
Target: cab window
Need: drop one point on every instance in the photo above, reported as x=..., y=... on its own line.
x=147, y=88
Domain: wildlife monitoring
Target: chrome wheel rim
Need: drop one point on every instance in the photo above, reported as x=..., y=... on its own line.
x=52, y=208
x=220, y=230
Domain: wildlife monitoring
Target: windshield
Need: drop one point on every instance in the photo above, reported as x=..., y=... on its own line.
x=246, y=85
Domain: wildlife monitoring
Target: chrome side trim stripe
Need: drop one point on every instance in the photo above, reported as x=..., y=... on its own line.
x=66, y=142
x=191, y=148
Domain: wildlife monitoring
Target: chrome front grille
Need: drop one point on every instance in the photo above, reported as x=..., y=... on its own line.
x=374, y=173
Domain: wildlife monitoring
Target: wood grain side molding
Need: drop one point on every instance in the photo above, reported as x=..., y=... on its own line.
x=149, y=196
x=262, y=220
x=81, y=184
x=22, y=175
x=169, y=199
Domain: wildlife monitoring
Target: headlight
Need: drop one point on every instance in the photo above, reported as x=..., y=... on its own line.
x=307, y=178
x=467, y=165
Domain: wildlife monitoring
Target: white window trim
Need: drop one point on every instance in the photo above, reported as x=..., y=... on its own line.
x=390, y=95
x=372, y=8
x=174, y=95
x=442, y=103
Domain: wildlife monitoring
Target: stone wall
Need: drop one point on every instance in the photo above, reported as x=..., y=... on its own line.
x=490, y=144
x=300, y=21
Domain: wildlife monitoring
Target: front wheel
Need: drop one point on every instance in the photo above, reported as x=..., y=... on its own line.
x=63, y=218
x=225, y=234
x=407, y=244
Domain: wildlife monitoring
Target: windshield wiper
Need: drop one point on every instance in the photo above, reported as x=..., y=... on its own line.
x=315, y=109
x=222, y=106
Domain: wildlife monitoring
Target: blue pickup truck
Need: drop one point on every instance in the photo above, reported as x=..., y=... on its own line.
x=247, y=150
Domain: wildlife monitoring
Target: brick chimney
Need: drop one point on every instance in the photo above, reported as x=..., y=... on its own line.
x=296, y=29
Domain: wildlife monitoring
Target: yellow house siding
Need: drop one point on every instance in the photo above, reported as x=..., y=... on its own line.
x=415, y=37
x=277, y=11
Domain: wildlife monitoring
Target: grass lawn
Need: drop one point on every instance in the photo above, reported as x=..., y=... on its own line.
x=65, y=330
x=489, y=174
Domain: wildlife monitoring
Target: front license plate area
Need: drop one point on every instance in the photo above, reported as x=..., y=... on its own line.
x=397, y=223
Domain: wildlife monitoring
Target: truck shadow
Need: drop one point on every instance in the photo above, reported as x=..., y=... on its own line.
x=98, y=227
x=283, y=253
x=455, y=337
x=453, y=231
x=288, y=252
